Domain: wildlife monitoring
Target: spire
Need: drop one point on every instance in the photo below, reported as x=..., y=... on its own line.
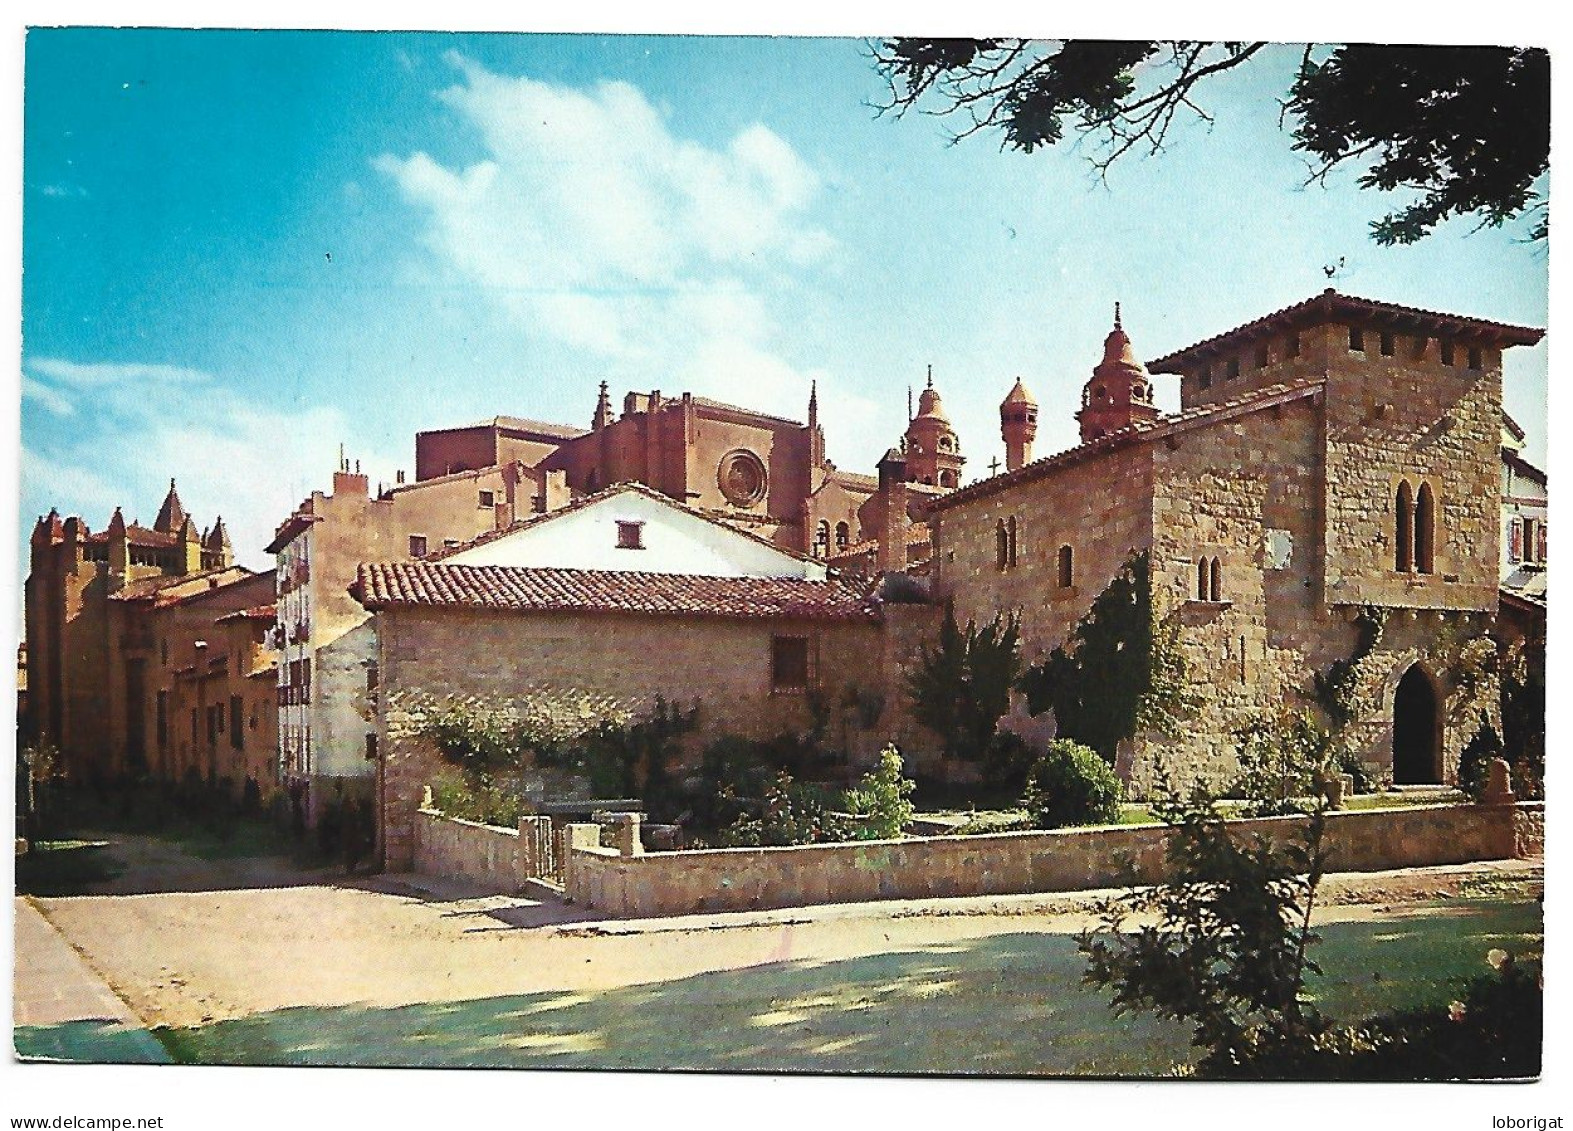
x=909, y=404
x=117, y=524
x=171, y=515
x=931, y=375
x=217, y=541
x=813, y=397
x=1117, y=325
x=603, y=409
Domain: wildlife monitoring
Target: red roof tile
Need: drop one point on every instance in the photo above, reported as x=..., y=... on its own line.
x=426, y=584
x=256, y=612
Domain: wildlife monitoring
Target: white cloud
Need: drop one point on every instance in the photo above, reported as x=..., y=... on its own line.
x=125, y=430
x=593, y=224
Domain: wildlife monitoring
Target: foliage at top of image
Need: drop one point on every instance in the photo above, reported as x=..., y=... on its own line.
x=1465, y=129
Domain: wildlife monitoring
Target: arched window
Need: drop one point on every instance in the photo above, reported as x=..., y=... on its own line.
x=1425, y=530
x=1001, y=545
x=1404, y=529
x=822, y=538
x=1203, y=579
x=1010, y=538
x=947, y=479
x=843, y=535
x=1065, y=567
x=1215, y=582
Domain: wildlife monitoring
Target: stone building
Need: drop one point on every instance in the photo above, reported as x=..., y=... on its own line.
x=597, y=610
x=758, y=472
x=325, y=646
x=95, y=658
x=1337, y=456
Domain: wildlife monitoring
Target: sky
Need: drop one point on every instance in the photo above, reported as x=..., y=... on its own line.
x=242, y=249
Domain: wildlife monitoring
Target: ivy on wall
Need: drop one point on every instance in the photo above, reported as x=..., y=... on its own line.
x=1121, y=670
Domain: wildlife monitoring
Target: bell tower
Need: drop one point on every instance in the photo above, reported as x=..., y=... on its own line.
x=1018, y=425
x=932, y=449
x=1120, y=390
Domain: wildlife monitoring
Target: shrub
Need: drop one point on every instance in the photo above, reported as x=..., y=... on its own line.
x=1280, y=762
x=961, y=687
x=1225, y=947
x=792, y=812
x=1474, y=762
x=881, y=803
x=1008, y=761
x=1072, y=785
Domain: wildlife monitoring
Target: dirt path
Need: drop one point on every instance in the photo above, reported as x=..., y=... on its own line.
x=406, y=960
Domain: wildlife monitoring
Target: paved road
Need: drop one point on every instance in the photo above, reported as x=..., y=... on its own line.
x=65, y=1011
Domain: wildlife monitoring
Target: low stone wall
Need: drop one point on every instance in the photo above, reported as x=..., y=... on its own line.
x=735, y=879
x=504, y=859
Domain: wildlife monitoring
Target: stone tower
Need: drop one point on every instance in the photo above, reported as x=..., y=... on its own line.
x=933, y=452
x=1018, y=425
x=1120, y=390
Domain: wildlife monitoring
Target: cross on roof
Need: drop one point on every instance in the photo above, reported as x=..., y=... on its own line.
x=994, y=466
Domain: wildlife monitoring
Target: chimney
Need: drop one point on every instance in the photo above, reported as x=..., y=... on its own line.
x=892, y=553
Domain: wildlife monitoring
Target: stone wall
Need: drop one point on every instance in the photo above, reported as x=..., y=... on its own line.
x=678, y=883
x=493, y=857
x=589, y=667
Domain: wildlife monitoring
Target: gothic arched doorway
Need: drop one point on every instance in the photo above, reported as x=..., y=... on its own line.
x=1417, y=730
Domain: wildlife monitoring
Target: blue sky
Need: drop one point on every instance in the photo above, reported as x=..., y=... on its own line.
x=242, y=249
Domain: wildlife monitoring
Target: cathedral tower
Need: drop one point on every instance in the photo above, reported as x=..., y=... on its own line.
x=1120, y=390
x=933, y=452
x=1018, y=425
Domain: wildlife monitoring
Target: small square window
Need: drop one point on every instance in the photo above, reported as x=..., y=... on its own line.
x=417, y=545
x=1261, y=357
x=488, y=500
x=630, y=535
x=450, y=543
x=789, y=663
x=1234, y=367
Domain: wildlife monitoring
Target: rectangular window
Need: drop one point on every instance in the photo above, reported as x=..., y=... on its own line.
x=1447, y=353
x=1357, y=339
x=237, y=729
x=162, y=716
x=417, y=545
x=373, y=677
x=1475, y=357
x=1234, y=367
x=1205, y=377
x=789, y=663
x=450, y=543
x=371, y=748
x=1293, y=349
x=1261, y=356
x=212, y=726
x=488, y=500
x=1387, y=343
x=630, y=535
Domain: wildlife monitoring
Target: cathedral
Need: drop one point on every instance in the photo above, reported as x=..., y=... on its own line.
x=759, y=472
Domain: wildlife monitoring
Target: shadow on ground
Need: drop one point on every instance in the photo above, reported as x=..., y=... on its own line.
x=1008, y=1004
x=97, y=1042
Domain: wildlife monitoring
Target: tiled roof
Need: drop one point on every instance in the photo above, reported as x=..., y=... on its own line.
x=1523, y=467
x=1139, y=432
x=517, y=424
x=425, y=584
x=256, y=612
x=139, y=536
x=1331, y=305
x=165, y=590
